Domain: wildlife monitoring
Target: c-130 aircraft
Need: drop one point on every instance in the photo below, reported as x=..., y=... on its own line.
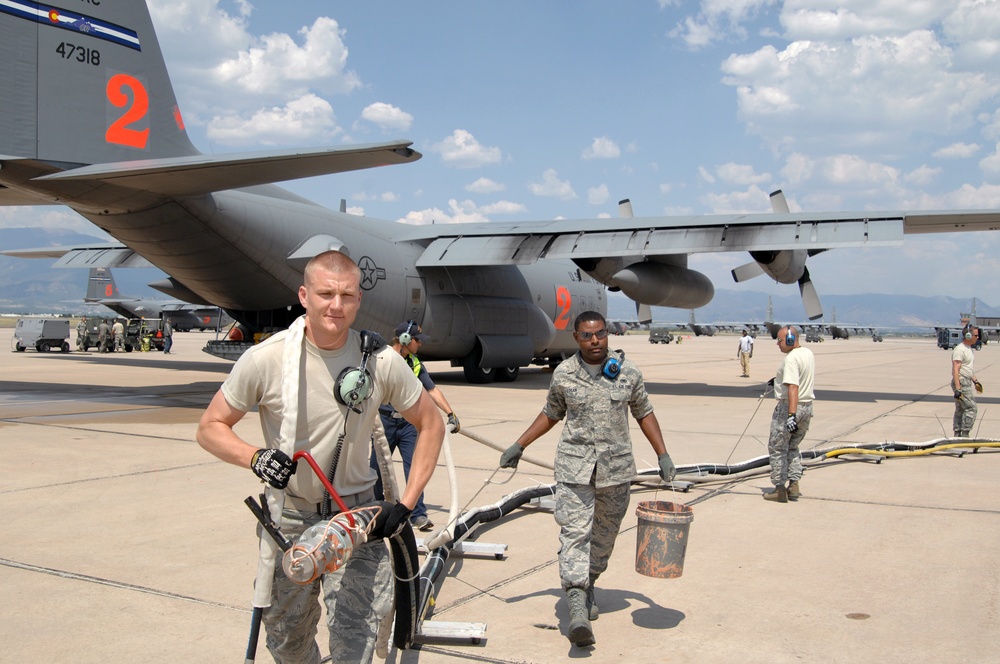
x=91, y=122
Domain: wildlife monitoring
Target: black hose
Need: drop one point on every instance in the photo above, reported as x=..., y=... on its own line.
x=434, y=565
x=405, y=565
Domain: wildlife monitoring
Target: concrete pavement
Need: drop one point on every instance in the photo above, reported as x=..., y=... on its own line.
x=125, y=542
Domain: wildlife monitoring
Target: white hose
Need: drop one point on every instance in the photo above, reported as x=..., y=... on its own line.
x=445, y=535
x=500, y=448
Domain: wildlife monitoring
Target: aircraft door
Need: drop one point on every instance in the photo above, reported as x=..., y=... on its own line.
x=416, y=298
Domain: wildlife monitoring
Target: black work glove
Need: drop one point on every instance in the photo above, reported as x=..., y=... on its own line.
x=958, y=395
x=667, y=467
x=979, y=386
x=791, y=424
x=398, y=519
x=770, y=383
x=510, y=458
x=272, y=466
x=453, y=423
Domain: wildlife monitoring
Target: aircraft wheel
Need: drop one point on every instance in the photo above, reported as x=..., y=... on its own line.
x=507, y=374
x=473, y=372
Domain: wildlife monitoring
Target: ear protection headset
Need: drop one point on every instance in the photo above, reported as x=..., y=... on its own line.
x=405, y=338
x=355, y=385
x=967, y=332
x=612, y=365
x=790, y=338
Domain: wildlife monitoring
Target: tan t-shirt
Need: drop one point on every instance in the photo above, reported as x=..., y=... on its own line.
x=255, y=381
x=797, y=368
x=963, y=354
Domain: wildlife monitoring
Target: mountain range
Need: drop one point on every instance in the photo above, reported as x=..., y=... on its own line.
x=32, y=286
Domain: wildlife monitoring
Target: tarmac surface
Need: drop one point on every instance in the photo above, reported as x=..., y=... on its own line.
x=124, y=541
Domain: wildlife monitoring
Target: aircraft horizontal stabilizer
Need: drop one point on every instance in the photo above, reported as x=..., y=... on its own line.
x=203, y=174
x=10, y=197
x=109, y=254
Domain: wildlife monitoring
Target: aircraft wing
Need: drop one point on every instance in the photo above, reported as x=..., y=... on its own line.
x=526, y=242
x=202, y=174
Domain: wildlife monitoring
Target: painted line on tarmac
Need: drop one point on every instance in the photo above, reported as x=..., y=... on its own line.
x=74, y=576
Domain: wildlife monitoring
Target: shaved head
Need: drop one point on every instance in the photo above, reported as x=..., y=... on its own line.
x=331, y=261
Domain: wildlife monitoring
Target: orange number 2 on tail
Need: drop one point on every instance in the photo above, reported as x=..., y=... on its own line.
x=119, y=132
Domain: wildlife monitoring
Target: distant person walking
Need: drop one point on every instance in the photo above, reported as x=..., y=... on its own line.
x=168, y=336
x=793, y=388
x=103, y=333
x=964, y=382
x=745, y=352
x=81, y=335
x=118, y=334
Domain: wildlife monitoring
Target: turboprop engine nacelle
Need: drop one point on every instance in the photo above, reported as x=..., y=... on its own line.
x=662, y=285
x=786, y=266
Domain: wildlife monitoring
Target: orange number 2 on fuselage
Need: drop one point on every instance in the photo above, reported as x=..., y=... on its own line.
x=563, y=302
x=119, y=132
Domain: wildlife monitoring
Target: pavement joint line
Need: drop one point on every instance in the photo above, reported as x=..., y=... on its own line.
x=75, y=576
x=466, y=656
x=110, y=477
x=489, y=590
x=94, y=430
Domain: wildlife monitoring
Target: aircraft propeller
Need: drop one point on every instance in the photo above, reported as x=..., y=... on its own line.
x=810, y=298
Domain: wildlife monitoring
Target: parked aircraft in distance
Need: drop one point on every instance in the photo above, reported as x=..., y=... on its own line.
x=105, y=137
x=102, y=289
x=701, y=330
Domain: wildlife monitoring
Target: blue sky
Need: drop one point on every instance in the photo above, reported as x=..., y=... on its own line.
x=538, y=110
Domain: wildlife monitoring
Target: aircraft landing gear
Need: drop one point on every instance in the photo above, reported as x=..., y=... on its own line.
x=507, y=374
x=473, y=372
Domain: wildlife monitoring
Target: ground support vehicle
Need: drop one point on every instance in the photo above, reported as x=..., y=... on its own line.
x=44, y=334
x=660, y=335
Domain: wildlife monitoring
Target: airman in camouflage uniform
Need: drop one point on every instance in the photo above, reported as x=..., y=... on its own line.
x=594, y=465
x=964, y=382
x=295, y=394
x=793, y=389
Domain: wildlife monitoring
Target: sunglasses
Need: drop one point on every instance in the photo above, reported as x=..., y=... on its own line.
x=600, y=334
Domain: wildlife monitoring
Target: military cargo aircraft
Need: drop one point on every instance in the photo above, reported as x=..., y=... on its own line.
x=90, y=121
x=102, y=289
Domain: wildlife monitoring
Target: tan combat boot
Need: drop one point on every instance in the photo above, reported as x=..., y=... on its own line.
x=779, y=495
x=593, y=611
x=793, y=490
x=579, y=632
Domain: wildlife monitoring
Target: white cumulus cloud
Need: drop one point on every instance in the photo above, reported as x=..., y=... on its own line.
x=387, y=116
x=302, y=120
x=552, y=186
x=484, y=186
x=602, y=148
x=461, y=149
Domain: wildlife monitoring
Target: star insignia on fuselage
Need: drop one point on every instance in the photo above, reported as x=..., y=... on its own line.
x=370, y=273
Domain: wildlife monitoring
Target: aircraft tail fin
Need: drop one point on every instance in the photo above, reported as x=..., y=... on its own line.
x=85, y=86
x=101, y=286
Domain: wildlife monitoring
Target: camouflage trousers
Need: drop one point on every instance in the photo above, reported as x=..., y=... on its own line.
x=783, y=447
x=965, y=409
x=357, y=596
x=589, y=519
